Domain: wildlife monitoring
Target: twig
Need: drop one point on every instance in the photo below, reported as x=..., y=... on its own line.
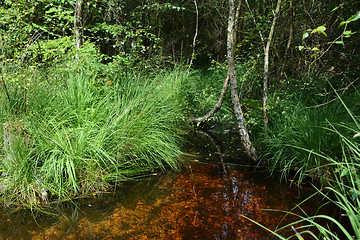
x=322, y=104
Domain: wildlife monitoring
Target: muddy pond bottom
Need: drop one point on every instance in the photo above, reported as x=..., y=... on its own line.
x=207, y=199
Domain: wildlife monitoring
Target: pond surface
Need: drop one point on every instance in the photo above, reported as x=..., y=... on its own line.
x=207, y=199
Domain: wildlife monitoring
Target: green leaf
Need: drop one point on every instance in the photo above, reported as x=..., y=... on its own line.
x=343, y=22
x=321, y=29
x=336, y=8
x=348, y=33
x=354, y=17
x=313, y=55
x=339, y=42
x=305, y=35
x=315, y=49
x=301, y=48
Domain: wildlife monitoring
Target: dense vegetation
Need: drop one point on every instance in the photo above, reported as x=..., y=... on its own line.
x=96, y=92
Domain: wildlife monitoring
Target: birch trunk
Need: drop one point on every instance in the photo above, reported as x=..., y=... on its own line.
x=78, y=24
x=195, y=36
x=232, y=80
x=244, y=134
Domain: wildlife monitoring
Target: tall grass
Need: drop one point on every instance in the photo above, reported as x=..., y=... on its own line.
x=342, y=166
x=89, y=133
x=299, y=136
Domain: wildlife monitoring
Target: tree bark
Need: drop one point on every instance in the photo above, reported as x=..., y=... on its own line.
x=78, y=24
x=244, y=134
x=196, y=33
x=232, y=80
x=266, y=66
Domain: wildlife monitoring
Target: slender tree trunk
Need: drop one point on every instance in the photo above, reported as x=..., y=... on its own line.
x=291, y=29
x=78, y=24
x=266, y=66
x=196, y=33
x=244, y=134
x=232, y=80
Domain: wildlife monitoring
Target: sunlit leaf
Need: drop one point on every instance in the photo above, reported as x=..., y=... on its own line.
x=313, y=55
x=339, y=42
x=301, y=48
x=336, y=8
x=321, y=29
x=354, y=17
x=343, y=22
x=348, y=33
x=305, y=35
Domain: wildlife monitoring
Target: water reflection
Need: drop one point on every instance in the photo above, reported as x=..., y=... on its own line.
x=203, y=201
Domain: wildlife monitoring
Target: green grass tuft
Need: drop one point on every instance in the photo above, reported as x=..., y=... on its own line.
x=90, y=133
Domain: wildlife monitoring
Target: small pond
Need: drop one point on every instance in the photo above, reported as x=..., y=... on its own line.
x=205, y=200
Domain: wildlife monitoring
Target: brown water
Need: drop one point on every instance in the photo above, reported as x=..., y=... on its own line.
x=207, y=199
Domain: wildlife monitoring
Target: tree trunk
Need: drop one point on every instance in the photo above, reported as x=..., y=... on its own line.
x=244, y=134
x=78, y=24
x=232, y=80
x=266, y=66
x=195, y=35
